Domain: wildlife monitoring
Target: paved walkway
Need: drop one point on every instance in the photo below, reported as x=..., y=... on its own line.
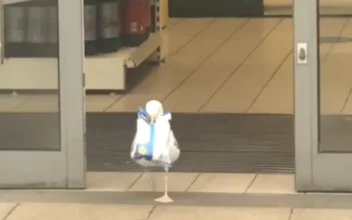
x=66, y=211
x=191, y=182
x=129, y=196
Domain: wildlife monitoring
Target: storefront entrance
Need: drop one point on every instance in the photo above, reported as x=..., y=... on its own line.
x=46, y=149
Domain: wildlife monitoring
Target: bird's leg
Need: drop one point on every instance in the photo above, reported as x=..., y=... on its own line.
x=151, y=178
x=165, y=198
x=152, y=181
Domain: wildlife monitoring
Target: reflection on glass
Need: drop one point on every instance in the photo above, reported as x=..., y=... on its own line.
x=335, y=84
x=29, y=99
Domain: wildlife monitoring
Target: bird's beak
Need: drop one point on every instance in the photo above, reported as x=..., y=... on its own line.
x=152, y=118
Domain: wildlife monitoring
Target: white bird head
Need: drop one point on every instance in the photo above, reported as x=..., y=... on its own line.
x=154, y=109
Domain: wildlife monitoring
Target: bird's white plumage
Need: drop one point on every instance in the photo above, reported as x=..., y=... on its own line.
x=154, y=108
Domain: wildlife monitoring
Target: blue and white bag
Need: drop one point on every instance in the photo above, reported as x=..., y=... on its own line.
x=154, y=143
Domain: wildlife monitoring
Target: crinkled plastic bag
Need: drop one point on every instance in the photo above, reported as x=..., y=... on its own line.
x=152, y=139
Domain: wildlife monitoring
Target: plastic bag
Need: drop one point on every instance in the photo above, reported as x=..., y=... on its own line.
x=153, y=140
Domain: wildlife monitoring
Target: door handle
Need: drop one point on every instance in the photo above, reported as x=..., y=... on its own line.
x=302, y=50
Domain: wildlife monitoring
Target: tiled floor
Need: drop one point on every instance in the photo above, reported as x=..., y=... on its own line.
x=234, y=65
x=192, y=182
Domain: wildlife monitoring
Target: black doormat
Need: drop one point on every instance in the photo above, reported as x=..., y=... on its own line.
x=208, y=142
x=249, y=143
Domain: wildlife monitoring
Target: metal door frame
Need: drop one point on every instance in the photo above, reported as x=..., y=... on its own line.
x=314, y=171
x=72, y=89
x=65, y=168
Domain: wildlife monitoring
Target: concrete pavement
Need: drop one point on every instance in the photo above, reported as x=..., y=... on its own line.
x=74, y=211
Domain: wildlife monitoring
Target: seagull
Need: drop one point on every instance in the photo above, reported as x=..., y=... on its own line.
x=161, y=151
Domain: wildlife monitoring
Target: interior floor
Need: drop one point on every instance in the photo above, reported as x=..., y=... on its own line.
x=226, y=65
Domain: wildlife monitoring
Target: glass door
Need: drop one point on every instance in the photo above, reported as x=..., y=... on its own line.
x=41, y=94
x=323, y=99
